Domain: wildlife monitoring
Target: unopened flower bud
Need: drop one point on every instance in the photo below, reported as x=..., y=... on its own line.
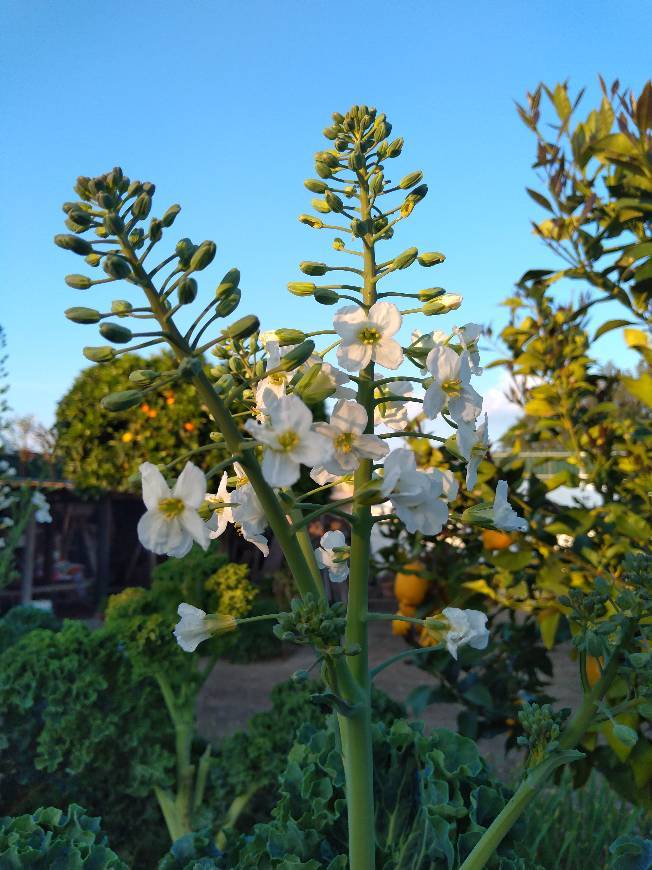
x=314, y=386
x=203, y=256
x=410, y=180
x=308, y=267
x=442, y=304
x=315, y=186
x=155, y=230
x=311, y=221
x=123, y=400
x=322, y=170
x=113, y=223
x=116, y=266
x=328, y=158
x=418, y=193
x=143, y=377
x=83, y=315
x=228, y=303
x=121, y=307
x=99, y=354
x=243, y=328
x=338, y=244
x=107, y=200
x=429, y=293
x=79, y=282
x=93, y=259
x=228, y=283
x=321, y=206
x=326, y=297
x=137, y=238
x=187, y=291
x=73, y=243
x=394, y=148
x=116, y=333
x=334, y=202
x=184, y=251
x=301, y=288
x=170, y=215
x=287, y=337
x=405, y=259
x=431, y=258
x=296, y=357
x=142, y=206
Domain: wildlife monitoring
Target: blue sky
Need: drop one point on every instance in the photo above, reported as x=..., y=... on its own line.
x=222, y=106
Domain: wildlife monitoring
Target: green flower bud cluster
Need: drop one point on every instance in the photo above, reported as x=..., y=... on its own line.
x=595, y=624
x=542, y=728
x=312, y=621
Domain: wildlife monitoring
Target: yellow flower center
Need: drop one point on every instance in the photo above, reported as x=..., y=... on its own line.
x=369, y=335
x=171, y=507
x=344, y=442
x=287, y=440
x=452, y=387
x=279, y=378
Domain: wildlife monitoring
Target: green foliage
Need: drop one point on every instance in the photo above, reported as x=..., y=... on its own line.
x=77, y=724
x=101, y=450
x=571, y=829
x=51, y=838
x=257, y=756
x=21, y=620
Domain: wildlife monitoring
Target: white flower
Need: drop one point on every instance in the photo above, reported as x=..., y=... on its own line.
x=415, y=495
x=171, y=522
x=466, y=627
x=473, y=445
x=337, y=377
x=349, y=444
x=425, y=341
x=195, y=626
x=333, y=554
x=503, y=515
x=289, y=441
x=469, y=335
x=367, y=337
x=247, y=514
x=274, y=385
x=449, y=485
x=42, y=513
x=393, y=413
x=451, y=374
x=222, y=514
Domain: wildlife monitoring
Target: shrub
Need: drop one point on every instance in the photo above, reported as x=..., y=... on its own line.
x=20, y=620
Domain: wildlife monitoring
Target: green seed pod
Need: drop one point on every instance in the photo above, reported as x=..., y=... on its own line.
x=321, y=206
x=116, y=266
x=322, y=170
x=315, y=269
x=286, y=337
x=326, y=297
x=203, y=256
x=121, y=307
x=228, y=283
x=410, y=180
x=243, y=328
x=113, y=223
x=83, y=315
x=431, y=258
x=123, y=400
x=170, y=215
x=301, y=288
x=74, y=244
x=314, y=386
x=143, y=377
x=155, y=230
x=315, y=186
x=93, y=259
x=296, y=357
x=79, y=282
x=311, y=221
x=228, y=303
x=99, y=354
x=142, y=206
x=334, y=202
x=394, y=148
x=107, y=201
x=405, y=259
x=115, y=333
x=187, y=291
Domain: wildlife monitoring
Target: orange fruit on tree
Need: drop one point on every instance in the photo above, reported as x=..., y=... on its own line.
x=409, y=586
x=493, y=540
x=593, y=666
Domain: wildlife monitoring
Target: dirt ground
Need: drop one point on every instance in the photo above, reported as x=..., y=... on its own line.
x=233, y=693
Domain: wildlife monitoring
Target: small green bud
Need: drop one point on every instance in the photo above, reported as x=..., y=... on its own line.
x=356, y=160
x=83, y=315
x=143, y=377
x=330, y=132
x=377, y=183
x=81, y=187
x=116, y=266
x=142, y=206
x=74, y=244
x=79, y=282
x=155, y=230
x=359, y=228
x=116, y=333
x=394, y=148
x=224, y=383
x=301, y=288
x=410, y=180
x=328, y=158
x=405, y=259
x=170, y=215
x=149, y=187
x=338, y=244
x=308, y=267
x=113, y=223
x=121, y=307
x=297, y=356
x=334, y=202
x=134, y=188
x=442, y=304
x=315, y=186
x=431, y=293
x=322, y=170
x=187, y=291
x=228, y=283
x=203, y=256
x=431, y=258
x=326, y=297
x=228, y=303
x=236, y=365
x=625, y=734
x=286, y=337
x=137, y=238
x=123, y=400
x=93, y=259
x=311, y=221
x=243, y=328
x=184, y=251
x=107, y=201
x=321, y=206
x=99, y=354
x=314, y=385
x=418, y=193
x=218, y=371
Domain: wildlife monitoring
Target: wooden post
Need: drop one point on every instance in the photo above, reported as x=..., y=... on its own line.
x=29, y=552
x=103, y=561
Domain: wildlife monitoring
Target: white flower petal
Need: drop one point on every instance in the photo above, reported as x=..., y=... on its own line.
x=386, y=316
x=279, y=469
x=154, y=486
x=354, y=356
x=388, y=353
x=191, y=486
x=434, y=400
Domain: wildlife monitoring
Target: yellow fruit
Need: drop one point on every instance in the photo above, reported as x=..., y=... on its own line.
x=409, y=587
x=496, y=540
x=400, y=628
x=593, y=665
